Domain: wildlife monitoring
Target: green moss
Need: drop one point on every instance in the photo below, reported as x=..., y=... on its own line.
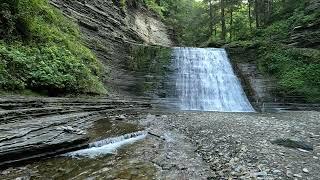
x=123, y=3
x=149, y=59
x=151, y=63
x=46, y=53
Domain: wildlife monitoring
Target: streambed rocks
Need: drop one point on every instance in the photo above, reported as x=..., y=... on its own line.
x=202, y=145
x=241, y=145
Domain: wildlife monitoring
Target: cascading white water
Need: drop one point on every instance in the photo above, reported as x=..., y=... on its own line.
x=108, y=146
x=205, y=81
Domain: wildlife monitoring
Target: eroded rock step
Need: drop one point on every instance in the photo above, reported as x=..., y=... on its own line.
x=38, y=137
x=40, y=127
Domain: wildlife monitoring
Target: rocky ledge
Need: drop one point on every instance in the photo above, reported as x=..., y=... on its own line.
x=39, y=127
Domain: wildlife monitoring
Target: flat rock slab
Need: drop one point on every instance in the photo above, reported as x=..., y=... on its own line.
x=33, y=127
x=37, y=137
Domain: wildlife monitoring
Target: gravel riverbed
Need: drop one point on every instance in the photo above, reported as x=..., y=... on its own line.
x=241, y=145
x=202, y=145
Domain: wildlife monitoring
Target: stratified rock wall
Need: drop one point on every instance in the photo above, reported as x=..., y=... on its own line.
x=308, y=35
x=110, y=30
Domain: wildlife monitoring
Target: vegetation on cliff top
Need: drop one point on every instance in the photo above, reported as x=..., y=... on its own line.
x=41, y=50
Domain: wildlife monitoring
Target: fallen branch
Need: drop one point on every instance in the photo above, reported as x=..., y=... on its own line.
x=155, y=135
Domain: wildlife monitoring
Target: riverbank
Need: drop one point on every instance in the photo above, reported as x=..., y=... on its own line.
x=202, y=145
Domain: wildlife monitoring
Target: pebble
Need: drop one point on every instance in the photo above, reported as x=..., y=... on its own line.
x=5, y=172
x=21, y=178
x=302, y=150
x=289, y=173
x=276, y=171
x=260, y=174
x=121, y=117
x=297, y=175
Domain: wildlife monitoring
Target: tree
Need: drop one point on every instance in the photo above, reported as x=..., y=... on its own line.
x=249, y=14
x=223, y=20
x=211, y=20
x=256, y=10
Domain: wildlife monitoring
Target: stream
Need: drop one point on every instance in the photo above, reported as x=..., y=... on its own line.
x=114, y=158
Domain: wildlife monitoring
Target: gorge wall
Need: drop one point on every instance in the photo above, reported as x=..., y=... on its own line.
x=307, y=35
x=111, y=29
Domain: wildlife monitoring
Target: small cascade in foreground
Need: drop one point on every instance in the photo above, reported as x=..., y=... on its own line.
x=108, y=146
x=205, y=81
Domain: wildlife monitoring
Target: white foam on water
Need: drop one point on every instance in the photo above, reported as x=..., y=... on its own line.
x=107, y=146
x=205, y=81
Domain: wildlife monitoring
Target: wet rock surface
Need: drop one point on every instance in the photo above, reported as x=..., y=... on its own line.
x=198, y=145
x=33, y=127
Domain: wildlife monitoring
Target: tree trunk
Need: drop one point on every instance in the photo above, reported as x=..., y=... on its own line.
x=265, y=12
x=223, y=21
x=256, y=9
x=211, y=19
x=231, y=23
x=250, y=20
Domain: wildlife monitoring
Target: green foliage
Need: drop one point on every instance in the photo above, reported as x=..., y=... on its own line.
x=49, y=55
x=151, y=4
x=288, y=16
x=123, y=3
x=297, y=70
x=278, y=31
x=7, y=21
x=150, y=63
x=147, y=59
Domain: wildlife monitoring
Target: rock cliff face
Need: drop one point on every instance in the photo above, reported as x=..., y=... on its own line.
x=111, y=30
x=308, y=35
x=257, y=87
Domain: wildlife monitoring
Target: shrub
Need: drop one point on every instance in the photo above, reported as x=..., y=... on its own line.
x=49, y=56
x=296, y=69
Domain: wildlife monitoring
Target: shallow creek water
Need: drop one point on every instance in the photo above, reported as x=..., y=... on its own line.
x=123, y=163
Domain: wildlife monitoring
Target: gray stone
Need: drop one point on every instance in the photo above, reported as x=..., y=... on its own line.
x=305, y=170
x=260, y=174
x=293, y=144
x=297, y=175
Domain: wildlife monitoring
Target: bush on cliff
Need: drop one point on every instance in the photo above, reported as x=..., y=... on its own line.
x=297, y=70
x=42, y=50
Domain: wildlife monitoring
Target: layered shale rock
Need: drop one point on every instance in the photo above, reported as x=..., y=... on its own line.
x=39, y=127
x=308, y=35
x=111, y=29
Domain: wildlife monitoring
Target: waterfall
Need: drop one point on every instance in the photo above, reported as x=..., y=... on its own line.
x=205, y=81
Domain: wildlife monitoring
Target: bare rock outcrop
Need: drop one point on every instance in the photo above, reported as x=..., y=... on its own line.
x=111, y=30
x=33, y=128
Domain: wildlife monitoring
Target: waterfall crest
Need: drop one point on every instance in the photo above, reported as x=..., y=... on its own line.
x=205, y=81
